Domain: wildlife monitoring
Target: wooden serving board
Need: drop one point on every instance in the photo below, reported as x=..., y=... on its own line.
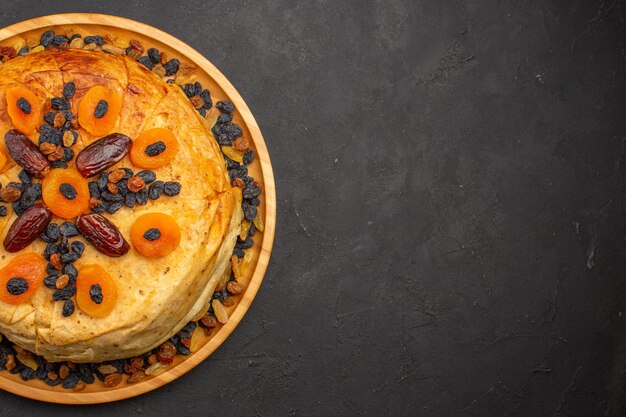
x=261, y=168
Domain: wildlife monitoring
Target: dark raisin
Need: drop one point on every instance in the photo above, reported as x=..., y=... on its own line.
x=202, y=112
x=59, y=164
x=103, y=180
x=147, y=176
x=155, y=148
x=251, y=192
x=70, y=270
x=59, y=103
x=230, y=164
x=114, y=206
x=122, y=187
x=95, y=293
x=249, y=211
x=51, y=270
x=68, y=154
x=53, y=231
x=64, y=293
x=244, y=244
x=197, y=89
x=68, y=191
x=28, y=373
x=53, y=382
x=59, y=39
x=217, y=130
x=93, y=189
x=69, y=257
x=98, y=40
x=49, y=117
x=109, y=196
x=171, y=188
x=206, y=98
x=188, y=89
x=171, y=67
x=68, y=229
x=69, y=90
x=24, y=105
x=68, y=308
x=70, y=381
x=146, y=62
x=46, y=38
x=101, y=109
x=254, y=201
x=155, y=189
x=3, y=211
x=127, y=173
x=225, y=106
x=152, y=234
x=232, y=130
x=130, y=200
x=225, y=118
x=154, y=55
x=74, y=36
x=142, y=197
x=25, y=177
x=248, y=157
x=50, y=249
x=100, y=207
x=17, y=286
x=224, y=139
x=86, y=373
x=78, y=247
x=23, y=51
x=50, y=134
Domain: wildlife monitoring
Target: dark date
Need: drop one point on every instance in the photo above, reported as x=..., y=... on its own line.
x=26, y=228
x=102, y=234
x=102, y=154
x=26, y=154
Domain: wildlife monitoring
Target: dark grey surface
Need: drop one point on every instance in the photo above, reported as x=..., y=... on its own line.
x=446, y=171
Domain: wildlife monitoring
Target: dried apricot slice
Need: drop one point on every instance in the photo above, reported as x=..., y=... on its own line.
x=65, y=192
x=154, y=148
x=24, y=109
x=99, y=109
x=96, y=292
x=155, y=234
x=21, y=277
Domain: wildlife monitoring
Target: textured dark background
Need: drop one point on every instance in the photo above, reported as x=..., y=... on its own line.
x=451, y=222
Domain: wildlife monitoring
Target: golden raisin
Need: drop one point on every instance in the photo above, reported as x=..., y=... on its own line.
x=136, y=377
x=152, y=359
x=164, y=57
x=135, y=184
x=80, y=386
x=62, y=281
x=10, y=363
x=134, y=54
x=55, y=261
x=64, y=371
x=107, y=369
x=93, y=202
x=10, y=194
x=112, y=380
x=197, y=102
x=159, y=70
x=209, y=321
x=112, y=188
x=68, y=138
x=136, y=45
x=57, y=154
x=116, y=175
x=241, y=144
x=59, y=120
x=47, y=148
x=136, y=362
x=238, y=182
x=52, y=375
x=234, y=287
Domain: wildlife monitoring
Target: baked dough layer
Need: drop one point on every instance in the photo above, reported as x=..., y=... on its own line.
x=156, y=297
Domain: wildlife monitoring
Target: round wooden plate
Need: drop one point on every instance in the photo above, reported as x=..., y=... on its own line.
x=221, y=89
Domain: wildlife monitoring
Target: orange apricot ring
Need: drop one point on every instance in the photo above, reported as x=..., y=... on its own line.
x=155, y=234
x=24, y=109
x=99, y=118
x=31, y=267
x=59, y=186
x=96, y=291
x=148, y=153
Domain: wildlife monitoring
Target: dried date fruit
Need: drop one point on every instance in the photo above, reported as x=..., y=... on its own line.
x=26, y=154
x=101, y=154
x=102, y=234
x=26, y=228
